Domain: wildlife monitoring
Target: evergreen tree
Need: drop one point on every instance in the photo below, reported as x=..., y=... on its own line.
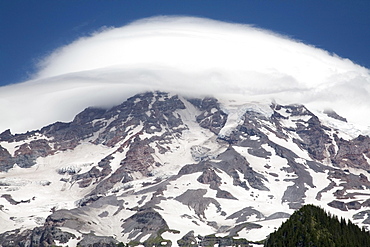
x=311, y=226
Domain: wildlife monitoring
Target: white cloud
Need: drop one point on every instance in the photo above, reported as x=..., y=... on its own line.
x=183, y=54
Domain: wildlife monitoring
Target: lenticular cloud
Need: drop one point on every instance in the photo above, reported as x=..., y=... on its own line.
x=187, y=55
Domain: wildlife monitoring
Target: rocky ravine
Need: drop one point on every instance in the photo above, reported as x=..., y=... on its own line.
x=160, y=168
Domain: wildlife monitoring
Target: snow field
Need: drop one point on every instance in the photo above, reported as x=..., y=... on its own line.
x=235, y=114
x=109, y=226
x=174, y=210
x=276, y=183
x=268, y=226
x=345, y=130
x=31, y=183
x=321, y=181
x=289, y=144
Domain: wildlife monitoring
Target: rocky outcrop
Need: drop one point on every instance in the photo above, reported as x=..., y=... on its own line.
x=195, y=199
x=243, y=214
x=97, y=241
x=6, y=135
x=333, y=114
x=354, y=153
x=211, y=117
x=6, y=160
x=231, y=162
x=212, y=240
x=153, y=110
x=25, y=156
x=143, y=223
x=312, y=135
x=38, y=237
x=10, y=199
x=188, y=240
x=210, y=177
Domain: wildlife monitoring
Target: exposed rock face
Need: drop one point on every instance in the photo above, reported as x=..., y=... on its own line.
x=195, y=199
x=143, y=223
x=10, y=199
x=123, y=118
x=160, y=167
x=212, y=117
x=98, y=241
x=6, y=135
x=210, y=177
x=188, y=240
x=312, y=135
x=244, y=214
x=334, y=115
x=354, y=153
x=233, y=164
x=38, y=237
x=6, y=160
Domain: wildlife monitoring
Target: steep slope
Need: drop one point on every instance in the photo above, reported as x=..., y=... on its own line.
x=164, y=168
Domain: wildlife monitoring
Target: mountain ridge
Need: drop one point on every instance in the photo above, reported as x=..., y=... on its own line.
x=161, y=165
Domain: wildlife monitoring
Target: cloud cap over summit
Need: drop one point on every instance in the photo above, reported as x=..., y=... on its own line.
x=184, y=55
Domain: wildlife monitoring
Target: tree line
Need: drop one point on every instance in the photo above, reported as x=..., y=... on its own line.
x=311, y=226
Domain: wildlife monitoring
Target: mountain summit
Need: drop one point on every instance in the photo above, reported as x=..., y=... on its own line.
x=172, y=170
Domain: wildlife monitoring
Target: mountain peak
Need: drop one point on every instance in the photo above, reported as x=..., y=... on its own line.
x=166, y=167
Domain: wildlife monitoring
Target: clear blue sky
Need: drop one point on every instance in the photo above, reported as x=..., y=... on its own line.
x=31, y=29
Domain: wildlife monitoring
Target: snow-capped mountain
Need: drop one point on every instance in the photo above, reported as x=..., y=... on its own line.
x=165, y=169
